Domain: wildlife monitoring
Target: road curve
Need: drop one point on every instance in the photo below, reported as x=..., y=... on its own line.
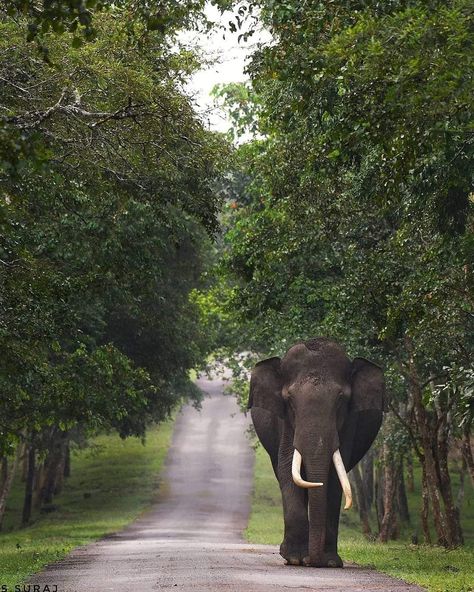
x=191, y=540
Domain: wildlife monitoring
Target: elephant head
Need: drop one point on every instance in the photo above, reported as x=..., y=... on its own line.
x=330, y=410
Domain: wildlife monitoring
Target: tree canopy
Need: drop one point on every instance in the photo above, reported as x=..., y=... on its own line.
x=107, y=206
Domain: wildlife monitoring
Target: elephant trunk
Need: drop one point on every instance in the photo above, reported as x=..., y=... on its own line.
x=340, y=470
x=296, y=473
x=317, y=463
x=317, y=470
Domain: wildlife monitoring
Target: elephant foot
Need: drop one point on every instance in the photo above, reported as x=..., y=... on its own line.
x=327, y=560
x=333, y=559
x=293, y=561
x=293, y=554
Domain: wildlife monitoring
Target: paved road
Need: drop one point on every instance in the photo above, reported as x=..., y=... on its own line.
x=191, y=540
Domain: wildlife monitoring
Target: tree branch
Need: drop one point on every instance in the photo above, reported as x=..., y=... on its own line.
x=32, y=119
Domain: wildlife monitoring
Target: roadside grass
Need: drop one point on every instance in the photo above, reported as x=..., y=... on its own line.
x=434, y=568
x=111, y=483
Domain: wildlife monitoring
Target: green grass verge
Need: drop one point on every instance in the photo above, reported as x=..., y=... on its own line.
x=434, y=568
x=111, y=483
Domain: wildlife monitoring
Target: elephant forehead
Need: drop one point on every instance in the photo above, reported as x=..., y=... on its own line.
x=324, y=360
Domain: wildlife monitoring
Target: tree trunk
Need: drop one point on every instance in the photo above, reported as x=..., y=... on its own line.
x=8, y=481
x=462, y=484
x=455, y=536
x=361, y=501
x=60, y=469
x=426, y=432
x=425, y=509
x=389, y=527
x=410, y=477
x=467, y=450
x=67, y=462
x=24, y=464
x=3, y=471
x=54, y=467
x=355, y=491
x=367, y=469
x=40, y=477
x=434, y=489
x=402, y=501
x=30, y=478
x=379, y=497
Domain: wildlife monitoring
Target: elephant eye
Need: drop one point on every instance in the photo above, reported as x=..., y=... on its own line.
x=343, y=396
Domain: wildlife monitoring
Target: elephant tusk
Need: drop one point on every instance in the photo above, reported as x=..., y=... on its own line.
x=343, y=478
x=296, y=472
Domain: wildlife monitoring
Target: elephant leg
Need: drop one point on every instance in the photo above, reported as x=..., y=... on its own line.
x=332, y=557
x=294, y=547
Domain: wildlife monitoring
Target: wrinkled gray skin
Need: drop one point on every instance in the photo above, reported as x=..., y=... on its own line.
x=316, y=400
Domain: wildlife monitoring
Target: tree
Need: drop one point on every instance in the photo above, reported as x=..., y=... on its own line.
x=360, y=224
x=106, y=211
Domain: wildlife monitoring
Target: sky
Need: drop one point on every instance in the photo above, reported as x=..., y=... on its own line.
x=231, y=57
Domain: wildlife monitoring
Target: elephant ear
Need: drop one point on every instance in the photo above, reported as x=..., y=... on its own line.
x=265, y=387
x=366, y=407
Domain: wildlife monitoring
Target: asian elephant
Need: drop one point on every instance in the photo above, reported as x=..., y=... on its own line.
x=316, y=413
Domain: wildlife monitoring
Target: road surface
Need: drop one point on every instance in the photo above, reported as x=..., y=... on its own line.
x=191, y=540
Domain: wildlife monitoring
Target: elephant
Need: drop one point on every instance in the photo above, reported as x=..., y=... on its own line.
x=316, y=413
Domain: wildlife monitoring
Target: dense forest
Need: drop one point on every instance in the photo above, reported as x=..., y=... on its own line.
x=134, y=241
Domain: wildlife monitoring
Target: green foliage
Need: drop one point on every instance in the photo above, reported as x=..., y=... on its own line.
x=356, y=215
x=241, y=105
x=79, y=17
x=107, y=205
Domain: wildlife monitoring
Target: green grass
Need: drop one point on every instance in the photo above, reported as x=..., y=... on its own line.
x=110, y=485
x=434, y=568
